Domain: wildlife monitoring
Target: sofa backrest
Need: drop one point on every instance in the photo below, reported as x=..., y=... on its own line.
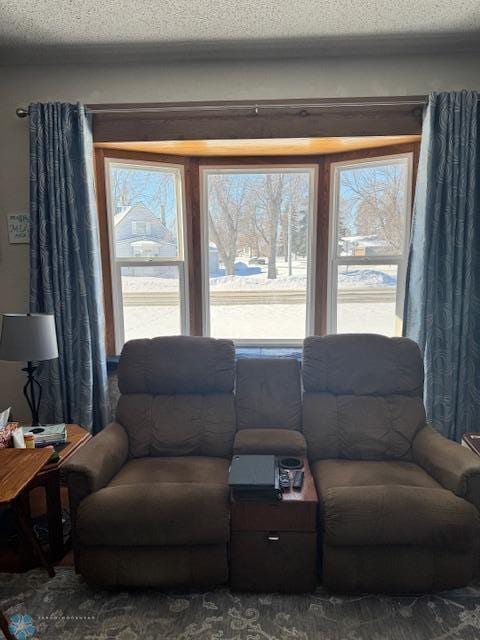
x=362, y=396
x=177, y=396
x=268, y=394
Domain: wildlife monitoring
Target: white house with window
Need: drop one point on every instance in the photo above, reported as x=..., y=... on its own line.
x=140, y=234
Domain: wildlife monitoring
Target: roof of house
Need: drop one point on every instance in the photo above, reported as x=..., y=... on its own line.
x=135, y=207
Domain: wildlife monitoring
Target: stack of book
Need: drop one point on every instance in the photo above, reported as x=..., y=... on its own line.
x=45, y=435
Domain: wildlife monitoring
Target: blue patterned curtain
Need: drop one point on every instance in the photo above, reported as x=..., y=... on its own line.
x=442, y=311
x=65, y=265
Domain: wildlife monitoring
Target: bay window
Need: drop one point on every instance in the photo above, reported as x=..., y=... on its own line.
x=264, y=251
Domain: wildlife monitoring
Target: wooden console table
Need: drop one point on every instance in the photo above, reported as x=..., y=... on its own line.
x=274, y=544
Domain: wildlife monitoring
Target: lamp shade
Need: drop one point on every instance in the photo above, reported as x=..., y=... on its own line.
x=28, y=337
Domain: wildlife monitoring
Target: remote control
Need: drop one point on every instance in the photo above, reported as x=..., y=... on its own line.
x=298, y=479
x=284, y=481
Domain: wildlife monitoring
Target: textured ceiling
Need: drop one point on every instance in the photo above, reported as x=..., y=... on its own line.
x=45, y=27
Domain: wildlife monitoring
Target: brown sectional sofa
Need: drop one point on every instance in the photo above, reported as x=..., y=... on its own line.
x=149, y=495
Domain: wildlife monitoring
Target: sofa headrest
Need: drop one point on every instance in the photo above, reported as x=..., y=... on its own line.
x=177, y=365
x=268, y=393
x=362, y=364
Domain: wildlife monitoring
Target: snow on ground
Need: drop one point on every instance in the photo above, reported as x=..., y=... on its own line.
x=260, y=321
x=348, y=277
x=266, y=321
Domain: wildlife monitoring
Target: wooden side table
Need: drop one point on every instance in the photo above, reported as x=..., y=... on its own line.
x=50, y=478
x=274, y=545
x=18, y=467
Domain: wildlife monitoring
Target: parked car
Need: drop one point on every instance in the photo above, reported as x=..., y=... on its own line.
x=257, y=261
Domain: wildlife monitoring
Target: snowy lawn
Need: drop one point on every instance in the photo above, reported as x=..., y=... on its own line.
x=261, y=320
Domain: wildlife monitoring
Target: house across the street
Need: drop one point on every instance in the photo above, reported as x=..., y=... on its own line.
x=140, y=234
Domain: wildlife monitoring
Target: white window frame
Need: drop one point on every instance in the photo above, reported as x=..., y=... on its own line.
x=334, y=260
x=312, y=169
x=180, y=260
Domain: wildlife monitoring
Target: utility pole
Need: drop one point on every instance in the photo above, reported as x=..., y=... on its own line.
x=289, y=238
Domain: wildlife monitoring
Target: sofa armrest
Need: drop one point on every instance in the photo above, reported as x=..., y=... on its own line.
x=93, y=466
x=455, y=467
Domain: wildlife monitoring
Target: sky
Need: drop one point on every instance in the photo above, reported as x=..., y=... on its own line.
x=146, y=185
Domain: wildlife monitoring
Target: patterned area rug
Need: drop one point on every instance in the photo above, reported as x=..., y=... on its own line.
x=66, y=608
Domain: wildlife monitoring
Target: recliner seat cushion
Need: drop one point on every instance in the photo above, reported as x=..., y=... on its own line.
x=330, y=474
x=181, y=469
x=147, y=504
x=398, y=515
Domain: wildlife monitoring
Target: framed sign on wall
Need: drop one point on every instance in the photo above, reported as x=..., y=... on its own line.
x=18, y=228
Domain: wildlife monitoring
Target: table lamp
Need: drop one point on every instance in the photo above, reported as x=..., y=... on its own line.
x=29, y=338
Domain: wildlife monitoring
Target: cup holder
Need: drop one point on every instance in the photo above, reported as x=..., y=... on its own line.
x=290, y=463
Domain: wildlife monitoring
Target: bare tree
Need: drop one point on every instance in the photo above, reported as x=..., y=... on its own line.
x=276, y=195
x=377, y=197
x=248, y=212
x=155, y=189
x=228, y=202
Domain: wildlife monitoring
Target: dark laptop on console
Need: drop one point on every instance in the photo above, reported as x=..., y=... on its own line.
x=255, y=478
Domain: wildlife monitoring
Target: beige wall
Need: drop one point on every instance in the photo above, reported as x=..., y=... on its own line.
x=329, y=77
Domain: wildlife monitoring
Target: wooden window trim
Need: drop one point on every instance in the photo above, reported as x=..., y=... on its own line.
x=323, y=221
x=190, y=258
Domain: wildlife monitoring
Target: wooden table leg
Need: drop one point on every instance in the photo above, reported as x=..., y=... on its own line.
x=25, y=551
x=54, y=514
x=26, y=528
x=4, y=627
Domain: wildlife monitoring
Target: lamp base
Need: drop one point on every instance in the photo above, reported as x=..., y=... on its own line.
x=32, y=392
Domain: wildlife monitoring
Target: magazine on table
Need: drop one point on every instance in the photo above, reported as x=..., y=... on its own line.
x=48, y=434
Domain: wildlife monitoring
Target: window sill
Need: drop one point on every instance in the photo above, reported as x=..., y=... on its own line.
x=240, y=352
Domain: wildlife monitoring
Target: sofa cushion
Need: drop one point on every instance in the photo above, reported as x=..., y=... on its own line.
x=362, y=364
x=167, y=503
x=397, y=515
x=363, y=396
x=188, y=469
x=178, y=425
x=268, y=393
x=365, y=427
x=177, y=364
x=270, y=441
x=330, y=474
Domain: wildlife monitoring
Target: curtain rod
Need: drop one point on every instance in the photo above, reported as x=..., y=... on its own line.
x=23, y=112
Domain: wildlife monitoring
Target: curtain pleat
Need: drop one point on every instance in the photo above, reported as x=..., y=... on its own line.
x=442, y=307
x=65, y=265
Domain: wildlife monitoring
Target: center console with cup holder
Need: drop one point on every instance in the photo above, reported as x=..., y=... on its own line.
x=273, y=524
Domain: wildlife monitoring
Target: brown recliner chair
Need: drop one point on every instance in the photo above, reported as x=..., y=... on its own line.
x=149, y=494
x=398, y=502
x=268, y=406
